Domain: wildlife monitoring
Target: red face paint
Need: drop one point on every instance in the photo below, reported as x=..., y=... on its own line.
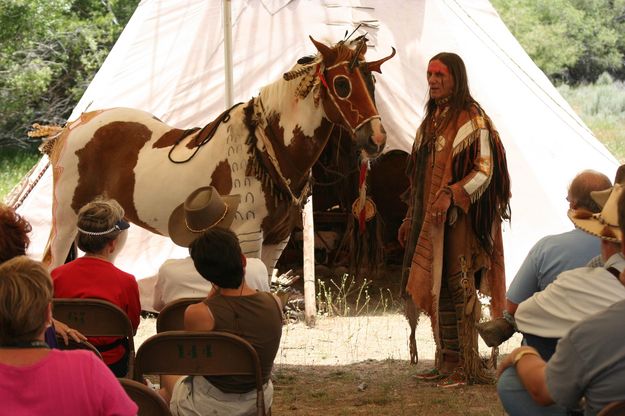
x=441, y=82
x=437, y=66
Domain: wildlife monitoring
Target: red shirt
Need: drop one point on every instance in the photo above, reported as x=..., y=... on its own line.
x=90, y=277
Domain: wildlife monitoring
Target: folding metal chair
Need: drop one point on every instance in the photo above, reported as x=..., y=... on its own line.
x=150, y=402
x=171, y=318
x=73, y=345
x=613, y=409
x=201, y=353
x=95, y=318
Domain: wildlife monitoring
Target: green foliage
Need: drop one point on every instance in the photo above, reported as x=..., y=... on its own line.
x=570, y=40
x=49, y=51
x=14, y=164
x=602, y=107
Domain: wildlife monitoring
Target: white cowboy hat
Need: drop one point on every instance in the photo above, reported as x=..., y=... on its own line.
x=203, y=209
x=605, y=223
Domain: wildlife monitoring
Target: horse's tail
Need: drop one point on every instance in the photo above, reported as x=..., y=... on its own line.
x=48, y=134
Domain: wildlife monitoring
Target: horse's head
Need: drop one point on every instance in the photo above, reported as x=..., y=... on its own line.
x=347, y=93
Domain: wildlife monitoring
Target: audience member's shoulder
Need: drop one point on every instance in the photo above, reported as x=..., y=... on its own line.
x=572, y=237
x=175, y=262
x=76, y=358
x=607, y=322
x=256, y=264
x=123, y=274
x=61, y=268
x=580, y=273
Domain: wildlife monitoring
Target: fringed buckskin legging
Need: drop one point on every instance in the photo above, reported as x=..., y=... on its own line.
x=459, y=311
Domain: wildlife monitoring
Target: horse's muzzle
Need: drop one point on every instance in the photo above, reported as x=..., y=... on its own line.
x=371, y=137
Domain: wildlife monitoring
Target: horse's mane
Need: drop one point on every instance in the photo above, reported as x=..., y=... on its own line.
x=346, y=53
x=301, y=79
x=281, y=92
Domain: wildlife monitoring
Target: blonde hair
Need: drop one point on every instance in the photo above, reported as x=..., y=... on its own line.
x=25, y=293
x=98, y=216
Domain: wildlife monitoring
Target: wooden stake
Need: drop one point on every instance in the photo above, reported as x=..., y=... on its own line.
x=310, y=305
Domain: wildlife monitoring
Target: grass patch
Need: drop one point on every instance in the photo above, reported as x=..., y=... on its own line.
x=602, y=107
x=15, y=163
x=349, y=296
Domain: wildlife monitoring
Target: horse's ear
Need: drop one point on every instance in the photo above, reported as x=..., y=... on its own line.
x=375, y=65
x=329, y=55
x=361, y=45
x=363, y=50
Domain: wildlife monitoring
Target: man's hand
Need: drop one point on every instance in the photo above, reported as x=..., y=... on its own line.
x=439, y=207
x=403, y=232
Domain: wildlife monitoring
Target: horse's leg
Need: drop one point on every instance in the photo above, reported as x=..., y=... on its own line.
x=59, y=248
x=271, y=253
x=62, y=233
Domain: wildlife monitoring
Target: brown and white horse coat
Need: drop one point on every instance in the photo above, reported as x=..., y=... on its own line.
x=263, y=150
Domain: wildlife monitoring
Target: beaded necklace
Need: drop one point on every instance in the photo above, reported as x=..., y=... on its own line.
x=437, y=122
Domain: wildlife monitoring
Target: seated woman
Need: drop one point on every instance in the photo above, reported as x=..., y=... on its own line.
x=101, y=235
x=34, y=379
x=14, y=242
x=231, y=306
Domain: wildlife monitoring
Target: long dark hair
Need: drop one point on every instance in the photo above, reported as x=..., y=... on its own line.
x=460, y=98
x=494, y=203
x=217, y=257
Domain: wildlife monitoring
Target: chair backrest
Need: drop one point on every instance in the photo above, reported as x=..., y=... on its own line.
x=613, y=409
x=73, y=345
x=149, y=401
x=171, y=318
x=200, y=353
x=94, y=318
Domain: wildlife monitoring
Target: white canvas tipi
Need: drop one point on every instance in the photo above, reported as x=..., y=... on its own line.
x=169, y=60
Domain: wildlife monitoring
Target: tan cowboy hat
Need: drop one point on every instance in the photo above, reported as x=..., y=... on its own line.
x=203, y=209
x=605, y=223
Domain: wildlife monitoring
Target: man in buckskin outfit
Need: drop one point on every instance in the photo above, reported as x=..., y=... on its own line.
x=458, y=196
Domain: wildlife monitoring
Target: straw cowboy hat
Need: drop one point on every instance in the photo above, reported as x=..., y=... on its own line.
x=605, y=223
x=203, y=209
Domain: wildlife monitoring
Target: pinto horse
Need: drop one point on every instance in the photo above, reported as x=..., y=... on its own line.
x=263, y=150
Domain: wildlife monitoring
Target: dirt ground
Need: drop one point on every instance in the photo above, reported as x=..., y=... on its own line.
x=359, y=365
x=374, y=387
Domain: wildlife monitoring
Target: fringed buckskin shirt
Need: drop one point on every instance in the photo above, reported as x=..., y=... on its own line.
x=467, y=158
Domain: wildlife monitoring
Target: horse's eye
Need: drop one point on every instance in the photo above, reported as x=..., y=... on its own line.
x=305, y=60
x=342, y=86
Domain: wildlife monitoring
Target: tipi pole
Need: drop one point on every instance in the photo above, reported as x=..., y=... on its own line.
x=227, y=12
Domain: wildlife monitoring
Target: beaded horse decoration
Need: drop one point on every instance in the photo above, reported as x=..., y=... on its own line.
x=262, y=150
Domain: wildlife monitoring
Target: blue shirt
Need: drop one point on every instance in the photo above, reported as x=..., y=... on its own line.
x=549, y=257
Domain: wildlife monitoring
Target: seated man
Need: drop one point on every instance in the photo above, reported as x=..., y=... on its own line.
x=619, y=177
x=549, y=257
x=234, y=307
x=178, y=278
x=589, y=361
x=581, y=292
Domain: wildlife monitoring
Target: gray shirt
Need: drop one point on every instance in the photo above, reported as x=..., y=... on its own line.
x=590, y=361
